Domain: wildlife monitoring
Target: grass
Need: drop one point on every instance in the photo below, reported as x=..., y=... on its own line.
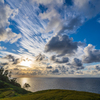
x=8, y=90
x=11, y=87
x=57, y=95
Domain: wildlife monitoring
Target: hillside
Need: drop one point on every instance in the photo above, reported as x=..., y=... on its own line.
x=57, y=95
x=9, y=90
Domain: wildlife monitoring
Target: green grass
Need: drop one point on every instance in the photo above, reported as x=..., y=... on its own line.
x=8, y=90
x=14, y=88
x=57, y=95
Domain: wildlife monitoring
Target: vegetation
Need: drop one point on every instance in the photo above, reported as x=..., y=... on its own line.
x=9, y=86
x=5, y=76
x=26, y=85
x=57, y=95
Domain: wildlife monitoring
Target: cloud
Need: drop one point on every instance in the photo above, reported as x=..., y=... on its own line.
x=80, y=11
x=16, y=69
x=72, y=25
x=88, y=8
x=76, y=64
x=91, y=54
x=49, y=14
x=15, y=38
x=55, y=71
x=45, y=2
x=63, y=69
x=3, y=64
x=49, y=67
x=6, y=33
x=16, y=61
x=2, y=48
x=63, y=60
x=40, y=57
x=55, y=24
x=71, y=72
x=12, y=59
x=80, y=72
x=9, y=57
x=62, y=45
x=97, y=68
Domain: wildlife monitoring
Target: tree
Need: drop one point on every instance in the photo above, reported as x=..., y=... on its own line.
x=26, y=85
x=5, y=76
x=1, y=70
x=5, y=73
x=10, y=74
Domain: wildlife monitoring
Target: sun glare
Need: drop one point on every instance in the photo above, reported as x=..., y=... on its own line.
x=26, y=63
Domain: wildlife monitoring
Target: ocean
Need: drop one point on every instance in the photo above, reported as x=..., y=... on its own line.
x=79, y=84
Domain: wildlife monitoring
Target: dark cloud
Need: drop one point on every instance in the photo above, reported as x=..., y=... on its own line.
x=9, y=57
x=62, y=45
x=16, y=61
x=63, y=69
x=3, y=64
x=12, y=59
x=80, y=72
x=97, y=68
x=53, y=57
x=91, y=54
x=94, y=72
x=40, y=57
x=55, y=71
x=76, y=64
x=74, y=23
x=16, y=69
x=63, y=60
x=49, y=67
x=71, y=72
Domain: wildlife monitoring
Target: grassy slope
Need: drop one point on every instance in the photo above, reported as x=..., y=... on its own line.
x=9, y=90
x=57, y=95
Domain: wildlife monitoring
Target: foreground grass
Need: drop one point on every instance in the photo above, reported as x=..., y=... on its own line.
x=57, y=95
x=10, y=90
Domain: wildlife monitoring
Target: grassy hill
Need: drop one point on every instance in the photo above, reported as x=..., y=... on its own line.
x=9, y=90
x=57, y=95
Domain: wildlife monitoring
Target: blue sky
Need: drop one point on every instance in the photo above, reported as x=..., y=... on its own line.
x=50, y=38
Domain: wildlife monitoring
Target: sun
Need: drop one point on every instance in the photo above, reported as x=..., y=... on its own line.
x=26, y=63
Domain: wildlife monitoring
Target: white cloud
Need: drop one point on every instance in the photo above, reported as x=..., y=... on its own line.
x=6, y=33
x=15, y=38
x=88, y=8
x=2, y=48
x=46, y=2
x=91, y=54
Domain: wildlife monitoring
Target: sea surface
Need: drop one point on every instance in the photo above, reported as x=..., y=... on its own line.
x=79, y=84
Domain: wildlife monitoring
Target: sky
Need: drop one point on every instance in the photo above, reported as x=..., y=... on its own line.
x=50, y=38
